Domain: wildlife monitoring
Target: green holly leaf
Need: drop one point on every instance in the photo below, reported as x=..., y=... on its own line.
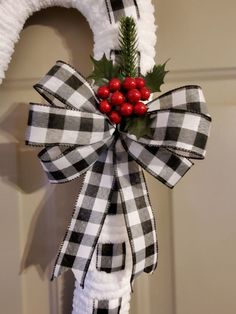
x=155, y=78
x=103, y=71
x=139, y=126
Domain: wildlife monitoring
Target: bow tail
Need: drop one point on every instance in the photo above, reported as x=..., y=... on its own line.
x=90, y=212
x=138, y=213
x=115, y=207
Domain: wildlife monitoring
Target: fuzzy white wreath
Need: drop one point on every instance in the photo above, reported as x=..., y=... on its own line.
x=13, y=15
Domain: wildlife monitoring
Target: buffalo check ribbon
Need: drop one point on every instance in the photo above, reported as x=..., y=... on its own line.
x=78, y=139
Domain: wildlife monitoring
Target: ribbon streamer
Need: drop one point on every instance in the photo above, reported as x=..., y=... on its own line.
x=79, y=139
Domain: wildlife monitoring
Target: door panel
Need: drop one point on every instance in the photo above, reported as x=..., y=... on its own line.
x=197, y=36
x=35, y=214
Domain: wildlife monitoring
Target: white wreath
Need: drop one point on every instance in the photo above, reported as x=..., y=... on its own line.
x=13, y=15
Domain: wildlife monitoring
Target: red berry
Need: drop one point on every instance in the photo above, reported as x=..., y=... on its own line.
x=103, y=92
x=145, y=93
x=114, y=84
x=140, y=109
x=133, y=95
x=117, y=98
x=140, y=82
x=104, y=106
x=115, y=117
x=129, y=83
x=126, y=109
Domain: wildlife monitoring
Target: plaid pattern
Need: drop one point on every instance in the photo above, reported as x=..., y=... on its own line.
x=182, y=122
x=179, y=130
x=110, y=257
x=115, y=207
x=65, y=164
x=188, y=98
x=137, y=210
x=112, y=306
x=64, y=87
x=119, y=8
x=59, y=126
x=113, y=182
x=88, y=218
x=160, y=162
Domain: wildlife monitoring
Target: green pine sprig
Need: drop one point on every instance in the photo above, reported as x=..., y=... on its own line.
x=128, y=44
x=127, y=66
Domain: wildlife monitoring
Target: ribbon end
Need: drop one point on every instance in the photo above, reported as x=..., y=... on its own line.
x=58, y=271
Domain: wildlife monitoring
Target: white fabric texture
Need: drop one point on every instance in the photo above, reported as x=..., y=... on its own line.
x=100, y=285
x=13, y=15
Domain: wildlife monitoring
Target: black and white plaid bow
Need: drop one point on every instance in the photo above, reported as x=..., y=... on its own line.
x=79, y=139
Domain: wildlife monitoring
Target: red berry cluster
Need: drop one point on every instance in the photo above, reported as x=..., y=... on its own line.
x=122, y=99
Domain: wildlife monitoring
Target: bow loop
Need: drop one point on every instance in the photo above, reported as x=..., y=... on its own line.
x=48, y=125
x=180, y=125
x=179, y=130
x=189, y=97
x=72, y=130
x=63, y=164
x=160, y=162
x=63, y=86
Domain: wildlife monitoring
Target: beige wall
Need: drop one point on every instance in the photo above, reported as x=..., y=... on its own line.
x=198, y=37
x=196, y=221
